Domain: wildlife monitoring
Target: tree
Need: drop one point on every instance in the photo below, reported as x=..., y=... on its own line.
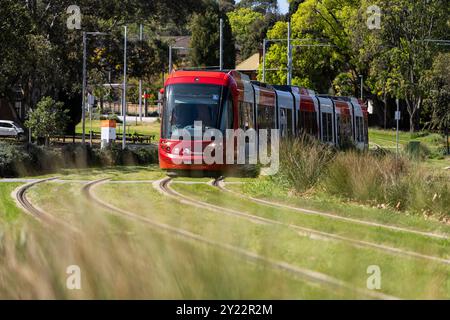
x=248, y=28
x=406, y=29
x=293, y=6
x=48, y=119
x=262, y=6
x=328, y=21
x=437, y=81
x=227, y=5
x=205, y=40
x=343, y=84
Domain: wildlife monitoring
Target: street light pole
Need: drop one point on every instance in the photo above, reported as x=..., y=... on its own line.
x=124, y=92
x=289, y=53
x=170, y=60
x=264, y=61
x=397, y=118
x=83, y=99
x=221, y=44
x=140, y=80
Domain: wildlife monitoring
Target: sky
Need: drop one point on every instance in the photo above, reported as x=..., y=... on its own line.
x=283, y=5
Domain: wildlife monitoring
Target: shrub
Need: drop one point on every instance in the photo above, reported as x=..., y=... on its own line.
x=146, y=156
x=375, y=178
x=417, y=150
x=12, y=160
x=303, y=161
x=18, y=160
x=364, y=177
x=79, y=156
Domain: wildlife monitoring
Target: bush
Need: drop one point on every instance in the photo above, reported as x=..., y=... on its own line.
x=303, y=161
x=17, y=160
x=12, y=160
x=375, y=178
x=114, y=155
x=365, y=177
x=79, y=156
x=417, y=150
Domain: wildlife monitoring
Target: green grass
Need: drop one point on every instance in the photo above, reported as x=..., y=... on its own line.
x=412, y=242
x=267, y=190
x=432, y=141
x=124, y=259
x=118, y=173
x=8, y=209
x=147, y=129
x=403, y=276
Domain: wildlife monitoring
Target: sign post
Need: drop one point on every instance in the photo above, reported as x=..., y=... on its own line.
x=91, y=102
x=108, y=132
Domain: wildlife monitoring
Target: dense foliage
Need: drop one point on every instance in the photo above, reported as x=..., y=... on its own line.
x=18, y=160
x=392, y=49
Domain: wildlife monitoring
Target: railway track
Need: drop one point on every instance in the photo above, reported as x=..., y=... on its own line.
x=20, y=196
x=301, y=273
x=314, y=234
x=220, y=184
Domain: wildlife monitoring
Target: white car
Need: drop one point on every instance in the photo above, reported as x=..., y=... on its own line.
x=10, y=129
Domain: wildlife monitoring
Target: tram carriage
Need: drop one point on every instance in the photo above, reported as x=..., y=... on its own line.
x=229, y=100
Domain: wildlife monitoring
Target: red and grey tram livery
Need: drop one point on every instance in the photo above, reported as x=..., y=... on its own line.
x=229, y=100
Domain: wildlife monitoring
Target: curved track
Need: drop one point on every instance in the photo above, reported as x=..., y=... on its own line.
x=305, y=274
x=315, y=234
x=20, y=196
x=220, y=184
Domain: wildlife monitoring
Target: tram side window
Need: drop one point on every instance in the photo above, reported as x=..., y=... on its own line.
x=266, y=117
x=289, y=122
x=359, y=129
x=327, y=127
x=246, y=115
x=338, y=127
x=227, y=115
x=283, y=122
x=308, y=122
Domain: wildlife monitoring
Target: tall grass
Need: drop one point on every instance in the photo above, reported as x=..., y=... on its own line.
x=303, y=162
x=376, y=179
x=120, y=259
x=131, y=263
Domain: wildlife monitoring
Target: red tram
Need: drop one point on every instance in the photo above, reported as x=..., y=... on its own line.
x=229, y=100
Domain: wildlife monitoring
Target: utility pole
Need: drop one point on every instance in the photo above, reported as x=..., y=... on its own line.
x=397, y=118
x=221, y=44
x=124, y=93
x=289, y=57
x=83, y=99
x=140, y=80
x=170, y=60
x=264, y=61
x=362, y=86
